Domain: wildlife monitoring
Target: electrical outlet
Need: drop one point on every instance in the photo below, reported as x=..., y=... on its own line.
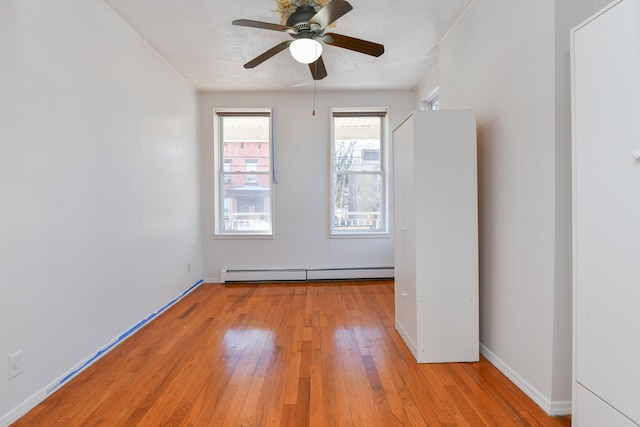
x=188, y=268
x=15, y=364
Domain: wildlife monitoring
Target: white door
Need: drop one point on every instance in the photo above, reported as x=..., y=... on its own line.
x=607, y=212
x=404, y=232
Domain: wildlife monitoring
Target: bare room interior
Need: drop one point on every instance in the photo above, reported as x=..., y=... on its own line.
x=123, y=217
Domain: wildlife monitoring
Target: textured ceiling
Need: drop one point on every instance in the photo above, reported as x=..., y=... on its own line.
x=196, y=37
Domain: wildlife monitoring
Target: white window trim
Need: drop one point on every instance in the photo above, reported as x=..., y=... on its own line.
x=432, y=98
x=218, y=167
x=384, y=233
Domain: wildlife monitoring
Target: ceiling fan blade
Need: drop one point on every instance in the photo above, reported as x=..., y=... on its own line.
x=259, y=24
x=351, y=43
x=318, y=70
x=268, y=54
x=332, y=11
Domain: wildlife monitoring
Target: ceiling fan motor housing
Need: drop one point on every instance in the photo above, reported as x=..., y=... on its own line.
x=300, y=18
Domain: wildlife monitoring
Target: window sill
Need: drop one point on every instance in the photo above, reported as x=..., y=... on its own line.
x=363, y=235
x=239, y=236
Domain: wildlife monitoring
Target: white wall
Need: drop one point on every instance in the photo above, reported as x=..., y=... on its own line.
x=499, y=60
x=508, y=61
x=427, y=86
x=302, y=193
x=99, y=177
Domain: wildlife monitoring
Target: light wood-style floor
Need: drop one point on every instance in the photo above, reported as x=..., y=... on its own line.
x=308, y=354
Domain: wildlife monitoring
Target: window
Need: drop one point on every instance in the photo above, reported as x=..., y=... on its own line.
x=252, y=166
x=432, y=102
x=358, y=179
x=244, y=185
x=227, y=168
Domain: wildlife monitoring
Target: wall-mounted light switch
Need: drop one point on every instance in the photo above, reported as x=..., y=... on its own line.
x=15, y=364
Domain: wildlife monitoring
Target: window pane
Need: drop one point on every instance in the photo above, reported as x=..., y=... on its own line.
x=357, y=144
x=252, y=166
x=246, y=138
x=247, y=209
x=227, y=168
x=357, y=156
x=358, y=202
x=240, y=180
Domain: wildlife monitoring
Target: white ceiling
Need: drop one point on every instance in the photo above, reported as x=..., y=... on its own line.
x=196, y=37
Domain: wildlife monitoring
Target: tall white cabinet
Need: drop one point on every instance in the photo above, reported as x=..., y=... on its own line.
x=606, y=208
x=436, y=235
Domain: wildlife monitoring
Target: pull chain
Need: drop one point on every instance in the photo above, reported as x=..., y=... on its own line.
x=315, y=73
x=314, y=98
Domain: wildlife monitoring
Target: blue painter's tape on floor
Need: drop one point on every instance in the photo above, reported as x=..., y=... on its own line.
x=128, y=333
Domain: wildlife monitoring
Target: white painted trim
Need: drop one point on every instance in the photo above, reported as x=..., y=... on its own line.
x=407, y=340
x=562, y=407
x=34, y=400
x=19, y=411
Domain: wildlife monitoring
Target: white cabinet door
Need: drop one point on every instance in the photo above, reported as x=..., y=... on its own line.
x=593, y=412
x=606, y=79
x=404, y=232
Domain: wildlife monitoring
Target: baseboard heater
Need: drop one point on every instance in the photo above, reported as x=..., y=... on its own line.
x=304, y=274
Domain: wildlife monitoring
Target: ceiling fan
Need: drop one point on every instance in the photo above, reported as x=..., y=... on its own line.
x=307, y=28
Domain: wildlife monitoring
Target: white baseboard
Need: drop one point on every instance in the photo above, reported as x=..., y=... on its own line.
x=407, y=340
x=19, y=411
x=34, y=400
x=552, y=408
x=561, y=407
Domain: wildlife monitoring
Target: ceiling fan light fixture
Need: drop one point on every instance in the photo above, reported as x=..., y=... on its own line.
x=305, y=50
x=307, y=27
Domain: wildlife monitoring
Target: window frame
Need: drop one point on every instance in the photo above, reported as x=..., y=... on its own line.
x=432, y=101
x=383, y=113
x=220, y=172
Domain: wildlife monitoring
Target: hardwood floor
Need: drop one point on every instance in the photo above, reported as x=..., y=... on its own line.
x=308, y=354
